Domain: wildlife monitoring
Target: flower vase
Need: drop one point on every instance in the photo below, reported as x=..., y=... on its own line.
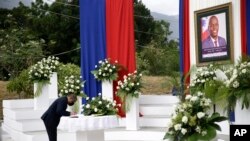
x=41, y=102
x=241, y=115
x=132, y=115
x=107, y=89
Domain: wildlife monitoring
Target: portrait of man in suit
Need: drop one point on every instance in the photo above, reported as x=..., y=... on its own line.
x=57, y=109
x=214, y=40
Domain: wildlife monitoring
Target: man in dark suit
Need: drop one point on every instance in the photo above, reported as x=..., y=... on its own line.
x=57, y=109
x=213, y=40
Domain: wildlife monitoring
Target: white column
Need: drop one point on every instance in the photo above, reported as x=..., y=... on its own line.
x=241, y=115
x=107, y=89
x=41, y=102
x=53, y=88
x=132, y=115
x=49, y=91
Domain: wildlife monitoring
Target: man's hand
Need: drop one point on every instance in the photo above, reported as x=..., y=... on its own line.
x=72, y=113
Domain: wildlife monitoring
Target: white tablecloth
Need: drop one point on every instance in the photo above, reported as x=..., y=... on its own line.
x=84, y=123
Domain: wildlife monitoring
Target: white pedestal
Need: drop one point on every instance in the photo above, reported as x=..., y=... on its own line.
x=132, y=116
x=241, y=115
x=53, y=88
x=94, y=135
x=42, y=102
x=107, y=89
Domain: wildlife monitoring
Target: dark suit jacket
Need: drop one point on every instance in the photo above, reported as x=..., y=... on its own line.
x=58, y=109
x=209, y=43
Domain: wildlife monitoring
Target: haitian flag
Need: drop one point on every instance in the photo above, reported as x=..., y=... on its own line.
x=107, y=31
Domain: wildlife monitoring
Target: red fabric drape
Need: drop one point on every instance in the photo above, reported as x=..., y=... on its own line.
x=186, y=38
x=120, y=36
x=243, y=27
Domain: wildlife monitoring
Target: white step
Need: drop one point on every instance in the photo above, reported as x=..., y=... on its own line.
x=158, y=99
x=18, y=104
x=157, y=110
x=25, y=125
x=144, y=134
x=22, y=114
x=38, y=136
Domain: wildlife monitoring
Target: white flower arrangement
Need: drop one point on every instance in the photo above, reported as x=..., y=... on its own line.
x=43, y=69
x=191, y=120
x=239, y=84
x=72, y=84
x=129, y=88
x=100, y=106
x=41, y=72
x=106, y=71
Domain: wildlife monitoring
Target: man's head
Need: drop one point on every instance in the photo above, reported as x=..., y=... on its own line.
x=71, y=99
x=213, y=27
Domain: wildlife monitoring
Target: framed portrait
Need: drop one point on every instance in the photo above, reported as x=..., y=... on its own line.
x=213, y=34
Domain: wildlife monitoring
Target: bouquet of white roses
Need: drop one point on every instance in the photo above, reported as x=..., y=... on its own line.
x=191, y=120
x=239, y=84
x=106, y=71
x=100, y=106
x=43, y=69
x=72, y=84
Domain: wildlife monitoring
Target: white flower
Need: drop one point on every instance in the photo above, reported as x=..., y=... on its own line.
x=183, y=131
x=100, y=102
x=244, y=71
x=198, y=129
x=87, y=98
x=199, y=93
x=95, y=109
x=87, y=106
x=177, y=127
x=93, y=98
x=236, y=84
x=184, y=119
x=188, y=97
x=200, y=115
x=99, y=94
x=203, y=133
x=194, y=98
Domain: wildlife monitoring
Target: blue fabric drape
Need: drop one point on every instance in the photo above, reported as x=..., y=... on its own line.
x=93, y=41
x=181, y=35
x=248, y=26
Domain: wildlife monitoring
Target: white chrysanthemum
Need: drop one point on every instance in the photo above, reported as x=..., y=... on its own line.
x=177, y=127
x=198, y=129
x=203, y=133
x=95, y=109
x=236, y=84
x=200, y=115
x=100, y=102
x=244, y=71
x=87, y=106
x=194, y=98
x=183, y=131
x=184, y=119
x=87, y=98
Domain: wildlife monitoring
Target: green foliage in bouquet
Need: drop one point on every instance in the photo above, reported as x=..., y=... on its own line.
x=129, y=88
x=106, y=71
x=191, y=121
x=72, y=84
x=100, y=107
x=239, y=84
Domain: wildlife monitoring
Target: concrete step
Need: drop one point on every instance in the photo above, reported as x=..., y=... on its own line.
x=18, y=104
x=157, y=110
x=22, y=114
x=143, y=134
x=25, y=125
x=158, y=99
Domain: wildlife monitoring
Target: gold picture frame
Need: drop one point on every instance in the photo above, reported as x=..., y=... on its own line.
x=213, y=35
